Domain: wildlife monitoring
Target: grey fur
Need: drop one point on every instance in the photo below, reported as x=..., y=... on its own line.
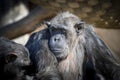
x=83, y=43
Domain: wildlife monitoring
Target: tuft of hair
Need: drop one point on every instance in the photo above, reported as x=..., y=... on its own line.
x=63, y=15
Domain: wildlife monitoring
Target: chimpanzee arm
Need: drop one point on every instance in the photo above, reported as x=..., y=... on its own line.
x=46, y=64
x=34, y=41
x=103, y=59
x=34, y=45
x=94, y=42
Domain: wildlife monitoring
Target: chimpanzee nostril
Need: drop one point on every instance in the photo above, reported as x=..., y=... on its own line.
x=57, y=39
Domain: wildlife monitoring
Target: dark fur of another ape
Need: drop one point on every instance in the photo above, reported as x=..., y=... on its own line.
x=13, y=58
x=99, y=54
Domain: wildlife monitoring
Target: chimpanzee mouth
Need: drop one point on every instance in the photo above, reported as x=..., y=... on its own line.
x=60, y=53
x=57, y=51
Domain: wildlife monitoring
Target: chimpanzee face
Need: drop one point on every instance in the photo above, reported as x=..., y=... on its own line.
x=61, y=38
x=63, y=32
x=58, y=42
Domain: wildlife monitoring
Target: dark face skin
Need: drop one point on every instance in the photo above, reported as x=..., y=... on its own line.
x=58, y=42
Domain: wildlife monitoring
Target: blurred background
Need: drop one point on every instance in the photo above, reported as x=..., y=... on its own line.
x=20, y=18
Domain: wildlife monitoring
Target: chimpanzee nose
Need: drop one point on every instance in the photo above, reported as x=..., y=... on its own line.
x=57, y=38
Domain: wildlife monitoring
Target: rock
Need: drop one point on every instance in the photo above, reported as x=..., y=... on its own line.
x=54, y=4
x=106, y=5
x=73, y=5
x=87, y=9
x=61, y=1
x=92, y=2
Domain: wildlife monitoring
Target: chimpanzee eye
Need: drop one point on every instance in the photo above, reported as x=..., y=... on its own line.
x=79, y=26
x=52, y=29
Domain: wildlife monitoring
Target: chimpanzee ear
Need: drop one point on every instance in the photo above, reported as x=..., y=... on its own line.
x=10, y=57
x=79, y=26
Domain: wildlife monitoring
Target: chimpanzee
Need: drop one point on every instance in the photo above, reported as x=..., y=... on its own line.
x=63, y=40
x=13, y=58
x=73, y=44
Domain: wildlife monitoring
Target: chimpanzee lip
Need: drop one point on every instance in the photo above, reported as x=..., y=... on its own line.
x=57, y=50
